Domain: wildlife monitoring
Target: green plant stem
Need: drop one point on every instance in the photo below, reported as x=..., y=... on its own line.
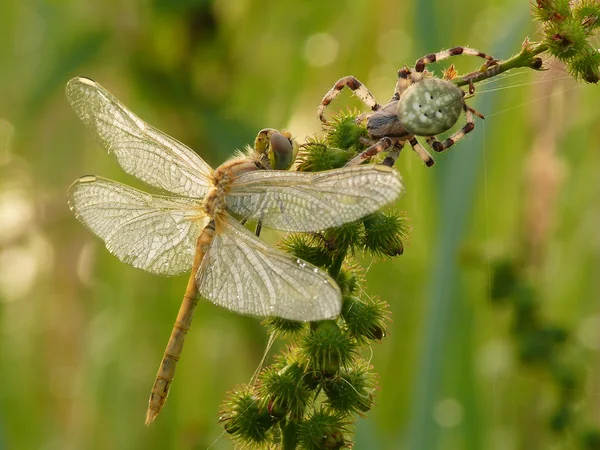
x=526, y=58
x=288, y=435
x=334, y=270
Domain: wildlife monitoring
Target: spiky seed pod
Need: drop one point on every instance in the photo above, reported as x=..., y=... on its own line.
x=312, y=378
x=317, y=155
x=551, y=10
x=352, y=391
x=284, y=391
x=283, y=327
x=344, y=132
x=326, y=348
x=243, y=418
x=587, y=12
x=324, y=430
x=568, y=28
x=566, y=38
x=348, y=236
x=586, y=65
x=310, y=248
x=385, y=233
x=365, y=319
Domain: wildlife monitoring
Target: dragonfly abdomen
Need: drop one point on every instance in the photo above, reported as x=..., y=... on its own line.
x=166, y=371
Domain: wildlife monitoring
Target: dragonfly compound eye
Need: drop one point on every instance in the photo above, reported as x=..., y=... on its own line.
x=282, y=151
x=430, y=107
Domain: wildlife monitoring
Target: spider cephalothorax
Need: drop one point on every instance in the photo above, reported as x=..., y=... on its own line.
x=422, y=105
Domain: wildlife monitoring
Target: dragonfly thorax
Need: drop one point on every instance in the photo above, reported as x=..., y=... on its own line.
x=214, y=202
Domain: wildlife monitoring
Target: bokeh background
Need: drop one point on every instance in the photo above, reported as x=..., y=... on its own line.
x=81, y=334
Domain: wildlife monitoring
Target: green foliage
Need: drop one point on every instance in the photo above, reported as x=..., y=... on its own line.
x=541, y=344
x=186, y=69
x=590, y=439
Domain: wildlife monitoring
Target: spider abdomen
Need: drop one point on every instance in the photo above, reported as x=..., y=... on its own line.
x=430, y=107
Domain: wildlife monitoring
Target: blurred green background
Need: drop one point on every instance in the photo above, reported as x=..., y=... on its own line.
x=81, y=334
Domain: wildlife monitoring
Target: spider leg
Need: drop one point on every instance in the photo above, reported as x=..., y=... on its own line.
x=456, y=51
x=393, y=154
x=450, y=141
x=477, y=113
x=380, y=146
x=404, y=80
x=420, y=150
x=359, y=89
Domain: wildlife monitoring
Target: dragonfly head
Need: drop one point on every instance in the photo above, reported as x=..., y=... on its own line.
x=279, y=147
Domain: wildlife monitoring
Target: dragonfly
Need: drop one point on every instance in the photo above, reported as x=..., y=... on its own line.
x=191, y=224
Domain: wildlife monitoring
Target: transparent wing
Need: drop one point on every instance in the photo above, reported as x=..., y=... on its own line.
x=141, y=150
x=241, y=273
x=154, y=233
x=301, y=201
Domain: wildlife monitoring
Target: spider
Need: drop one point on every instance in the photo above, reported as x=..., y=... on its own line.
x=422, y=105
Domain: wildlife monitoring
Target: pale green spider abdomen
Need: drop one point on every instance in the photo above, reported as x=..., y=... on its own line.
x=430, y=107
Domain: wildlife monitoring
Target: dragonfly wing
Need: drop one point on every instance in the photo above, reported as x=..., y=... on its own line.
x=302, y=201
x=141, y=150
x=154, y=233
x=241, y=273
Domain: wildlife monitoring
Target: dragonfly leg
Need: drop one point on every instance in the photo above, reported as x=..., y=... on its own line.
x=258, y=228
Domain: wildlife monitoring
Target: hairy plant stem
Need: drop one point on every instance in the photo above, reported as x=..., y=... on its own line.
x=288, y=429
x=526, y=58
x=288, y=435
x=334, y=270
